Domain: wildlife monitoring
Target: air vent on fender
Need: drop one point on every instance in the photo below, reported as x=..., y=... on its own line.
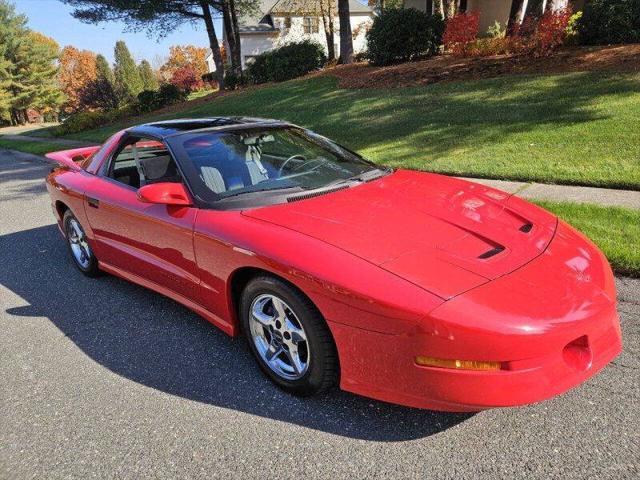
x=526, y=228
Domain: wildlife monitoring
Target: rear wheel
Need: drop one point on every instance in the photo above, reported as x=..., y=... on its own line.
x=288, y=337
x=81, y=253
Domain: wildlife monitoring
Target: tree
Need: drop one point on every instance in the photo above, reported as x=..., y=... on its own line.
x=148, y=76
x=162, y=16
x=77, y=69
x=128, y=83
x=346, y=41
x=103, y=70
x=516, y=15
x=28, y=68
x=34, y=84
x=185, y=55
x=186, y=79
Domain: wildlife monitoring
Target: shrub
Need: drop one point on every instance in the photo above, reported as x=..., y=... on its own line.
x=550, y=32
x=484, y=47
x=572, y=36
x=402, y=34
x=232, y=80
x=610, y=21
x=170, y=94
x=287, y=62
x=460, y=32
x=186, y=79
x=148, y=100
x=78, y=122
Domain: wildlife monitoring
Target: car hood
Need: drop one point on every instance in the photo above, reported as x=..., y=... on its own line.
x=443, y=234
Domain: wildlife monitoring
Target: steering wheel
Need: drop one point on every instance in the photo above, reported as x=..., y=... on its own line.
x=297, y=155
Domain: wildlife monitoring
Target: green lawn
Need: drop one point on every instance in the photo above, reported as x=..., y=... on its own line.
x=37, y=148
x=578, y=128
x=615, y=230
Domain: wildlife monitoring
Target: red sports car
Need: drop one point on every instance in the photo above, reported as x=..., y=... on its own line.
x=408, y=287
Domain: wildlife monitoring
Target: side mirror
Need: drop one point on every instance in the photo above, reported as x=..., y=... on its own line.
x=165, y=194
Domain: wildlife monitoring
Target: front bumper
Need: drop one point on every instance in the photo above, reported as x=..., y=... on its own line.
x=552, y=323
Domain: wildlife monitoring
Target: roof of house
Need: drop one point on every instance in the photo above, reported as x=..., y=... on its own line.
x=262, y=22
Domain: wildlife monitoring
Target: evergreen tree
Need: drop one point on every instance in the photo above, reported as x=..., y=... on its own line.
x=100, y=93
x=35, y=84
x=148, y=76
x=103, y=70
x=128, y=83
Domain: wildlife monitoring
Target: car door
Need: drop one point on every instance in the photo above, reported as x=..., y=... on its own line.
x=151, y=241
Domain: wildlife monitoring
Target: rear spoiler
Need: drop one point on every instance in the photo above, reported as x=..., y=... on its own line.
x=72, y=158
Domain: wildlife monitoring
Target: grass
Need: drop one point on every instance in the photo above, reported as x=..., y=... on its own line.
x=615, y=230
x=577, y=128
x=28, y=146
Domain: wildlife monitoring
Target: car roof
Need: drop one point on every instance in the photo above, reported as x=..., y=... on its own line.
x=169, y=128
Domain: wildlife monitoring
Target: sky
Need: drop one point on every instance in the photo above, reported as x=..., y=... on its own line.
x=53, y=18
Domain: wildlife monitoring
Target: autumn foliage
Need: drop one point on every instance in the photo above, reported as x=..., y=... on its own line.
x=537, y=37
x=77, y=70
x=186, y=79
x=460, y=31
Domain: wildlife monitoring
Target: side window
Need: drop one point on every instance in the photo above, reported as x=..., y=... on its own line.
x=143, y=161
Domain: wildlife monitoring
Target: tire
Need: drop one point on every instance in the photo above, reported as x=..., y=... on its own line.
x=302, y=320
x=81, y=254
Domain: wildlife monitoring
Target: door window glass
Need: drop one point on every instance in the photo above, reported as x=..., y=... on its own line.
x=142, y=162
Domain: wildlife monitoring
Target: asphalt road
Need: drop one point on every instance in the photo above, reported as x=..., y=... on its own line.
x=101, y=378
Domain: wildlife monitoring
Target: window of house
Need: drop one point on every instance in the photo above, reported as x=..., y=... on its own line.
x=287, y=22
x=311, y=24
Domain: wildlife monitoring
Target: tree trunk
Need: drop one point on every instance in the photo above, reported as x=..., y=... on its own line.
x=516, y=15
x=213, y=43
x=230, y=21
x=449, y=8
x=346, y=41
x=438, y=8
x=327, y=23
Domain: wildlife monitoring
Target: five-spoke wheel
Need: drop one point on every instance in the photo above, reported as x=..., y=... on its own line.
x=288, y=336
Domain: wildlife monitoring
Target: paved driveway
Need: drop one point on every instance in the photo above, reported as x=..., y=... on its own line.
x=100, y=378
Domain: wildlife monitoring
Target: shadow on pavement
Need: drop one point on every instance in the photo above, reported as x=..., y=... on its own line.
x=152, y=340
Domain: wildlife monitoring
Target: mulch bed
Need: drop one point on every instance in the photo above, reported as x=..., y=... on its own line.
x=446, y=68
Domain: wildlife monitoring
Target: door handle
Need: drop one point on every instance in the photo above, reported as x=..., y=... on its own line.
x=93, y=202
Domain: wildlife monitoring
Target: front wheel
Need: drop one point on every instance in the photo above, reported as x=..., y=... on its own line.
x=81, y=253
x=288, y=337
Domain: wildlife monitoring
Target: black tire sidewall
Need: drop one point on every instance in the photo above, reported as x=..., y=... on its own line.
x=322, y=358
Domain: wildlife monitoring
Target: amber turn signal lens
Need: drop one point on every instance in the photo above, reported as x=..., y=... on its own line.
x=457, y=364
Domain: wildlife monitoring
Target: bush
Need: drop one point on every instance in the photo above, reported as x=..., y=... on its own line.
x=168, y=94
x=186, y=79
x=572, y=36
x=460, y=32
x=79, y=122
x=402, y=34
x=148, y=100
x=610, y=21
x=231, y=80
x=287, y=62
x=550, y=32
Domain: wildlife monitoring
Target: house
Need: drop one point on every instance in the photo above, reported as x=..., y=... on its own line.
x=492, y=11
x=278, y=22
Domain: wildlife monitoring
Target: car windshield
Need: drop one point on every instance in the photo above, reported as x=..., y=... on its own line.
x=272, y=161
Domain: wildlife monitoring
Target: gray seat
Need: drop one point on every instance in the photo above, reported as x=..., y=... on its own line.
x=212, y=178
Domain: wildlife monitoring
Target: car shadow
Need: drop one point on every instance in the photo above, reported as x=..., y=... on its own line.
x=154, y=341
